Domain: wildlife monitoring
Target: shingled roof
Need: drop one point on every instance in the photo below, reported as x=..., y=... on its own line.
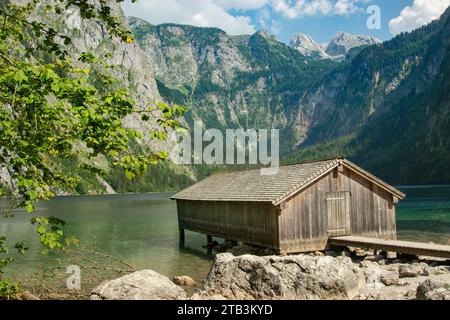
x=252, y=186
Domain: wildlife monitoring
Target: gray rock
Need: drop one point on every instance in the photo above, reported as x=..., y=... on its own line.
x=390, y=278
x=412, y=270
x=439, y=270
x=365, y=264
x=290, y=277
x=140, y=285
x=433, y=290
x=361, y=252
x=391, y=255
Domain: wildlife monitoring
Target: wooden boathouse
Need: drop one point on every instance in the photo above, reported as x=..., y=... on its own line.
x=296, y=210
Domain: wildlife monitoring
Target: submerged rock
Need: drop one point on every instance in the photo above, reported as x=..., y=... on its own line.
x=184, y=281
x=140, y=285
x=274, y=277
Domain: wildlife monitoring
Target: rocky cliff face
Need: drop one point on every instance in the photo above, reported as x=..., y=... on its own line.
x=232, y=82
x=128, y=59
x=132, y=68
x=181, y=55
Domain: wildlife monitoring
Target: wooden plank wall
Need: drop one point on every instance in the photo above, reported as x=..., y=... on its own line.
x=249, y=222
x=303, y=222
x=372, y=208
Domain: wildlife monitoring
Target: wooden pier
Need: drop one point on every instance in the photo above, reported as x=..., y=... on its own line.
x=407, y=247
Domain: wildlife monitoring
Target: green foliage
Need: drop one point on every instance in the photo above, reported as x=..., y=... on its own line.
x=8, y=289
x=162, y=177
x=51, y=107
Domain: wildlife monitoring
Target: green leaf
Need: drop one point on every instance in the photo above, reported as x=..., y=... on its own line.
x=33, y=194
x=29, y=207
x=130, y=175
x=41, y=229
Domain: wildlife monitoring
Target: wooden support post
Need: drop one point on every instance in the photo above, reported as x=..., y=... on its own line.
x=181, y=237
x=209, y=240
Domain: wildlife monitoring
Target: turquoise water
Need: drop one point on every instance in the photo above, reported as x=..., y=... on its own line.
x=425, y=214
x=142, y=229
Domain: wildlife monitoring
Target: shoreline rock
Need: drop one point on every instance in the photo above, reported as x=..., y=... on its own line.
x=333, y=275
x=140, y=285
x=300, y=277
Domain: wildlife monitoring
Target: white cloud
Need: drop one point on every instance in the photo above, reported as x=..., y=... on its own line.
x=229, y=15
x=266, y=22
x=201, y=13
x=298, y=8
x=275, y=27
x=418, y=14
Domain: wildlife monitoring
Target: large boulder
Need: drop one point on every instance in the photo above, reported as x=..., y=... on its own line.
x=433, y=290
x=290, y=277
x=140, y=285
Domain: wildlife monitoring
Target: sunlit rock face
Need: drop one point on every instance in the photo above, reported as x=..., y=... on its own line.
x=342, y=42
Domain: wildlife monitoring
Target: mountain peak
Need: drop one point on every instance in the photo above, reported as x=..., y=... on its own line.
x=342, y=42
x=337, y=48
x=136, y=22
x=307, y=46
x=263, y=33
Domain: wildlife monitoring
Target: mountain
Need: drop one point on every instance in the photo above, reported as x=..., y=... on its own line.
x=391, y=104
x=343, y=42
x=308, y=47
x=232, y=82
x=384, y=105
x=134, y=71
x=337, y=48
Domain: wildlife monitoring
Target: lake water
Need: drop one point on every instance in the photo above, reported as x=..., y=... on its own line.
x=142, y=228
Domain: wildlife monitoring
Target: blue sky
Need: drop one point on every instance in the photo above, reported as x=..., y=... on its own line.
x=320, y=19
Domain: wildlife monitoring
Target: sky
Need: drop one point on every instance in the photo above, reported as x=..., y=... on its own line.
x=320, y=19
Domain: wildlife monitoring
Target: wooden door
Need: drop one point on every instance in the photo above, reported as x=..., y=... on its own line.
x=338, y=213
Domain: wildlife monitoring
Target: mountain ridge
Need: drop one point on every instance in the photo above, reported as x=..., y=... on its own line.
x=312, y=101
x=385, y=106
x=337, y=48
